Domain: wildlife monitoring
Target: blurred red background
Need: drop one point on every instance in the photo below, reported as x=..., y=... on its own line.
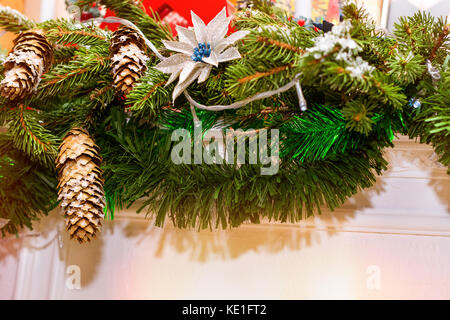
x=178, y=12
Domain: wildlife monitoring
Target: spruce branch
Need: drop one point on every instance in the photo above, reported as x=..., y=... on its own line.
x=89, y=67
x=30, y=137
x=27, y=189
x=150, y=94
x=424, y=35
x=100, y=92
x=260, y=15
x=13, y=21
x=386, y=92
x=355, y=13
x=264, y=6
x=247, y=78
x=406, y=69
x=441, y=39
x=432, y=121
x=6, y=112
x=64, y=54
x=85, y=110
x=282, y=44
x=277, y=43
x=267, y=73
x=358, y=115
x=66, y=32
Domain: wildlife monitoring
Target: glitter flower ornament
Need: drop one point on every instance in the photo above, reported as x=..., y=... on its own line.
x=198, y=50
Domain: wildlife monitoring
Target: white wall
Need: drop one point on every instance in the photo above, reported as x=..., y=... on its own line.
x=41, y=10
x=400, y=8
x=392, y=241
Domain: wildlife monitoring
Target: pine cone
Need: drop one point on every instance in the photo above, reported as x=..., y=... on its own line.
x=30, y=57
x=80, y=184
x=128, y=58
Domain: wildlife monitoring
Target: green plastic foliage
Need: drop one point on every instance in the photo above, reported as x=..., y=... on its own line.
x=327, y=153
x=27, y=189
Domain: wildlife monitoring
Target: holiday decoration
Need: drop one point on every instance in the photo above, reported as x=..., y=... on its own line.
x=92, y=11
x=128, y=59
x=199, y=50
x=339, y=44
x=30, y=58
x=80, y=185
x=317, y=104
x=415, y=103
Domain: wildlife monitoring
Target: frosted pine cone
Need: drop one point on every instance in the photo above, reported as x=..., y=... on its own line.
x=128, y=58
x=30, y=57
x=80, y=184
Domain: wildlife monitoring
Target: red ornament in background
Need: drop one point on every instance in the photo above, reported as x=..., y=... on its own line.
x=176, y=12
x=86, y=16
x=111, y=26
x=206, y=10
x=172, y=17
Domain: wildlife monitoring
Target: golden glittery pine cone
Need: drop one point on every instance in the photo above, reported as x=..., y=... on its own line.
x=30, y=57
x=80, y=185
x=128, y=58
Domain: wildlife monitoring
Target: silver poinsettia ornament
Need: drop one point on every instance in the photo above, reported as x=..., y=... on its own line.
x=198, y=50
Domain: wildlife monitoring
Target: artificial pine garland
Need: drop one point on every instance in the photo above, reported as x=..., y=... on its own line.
x=337, y=99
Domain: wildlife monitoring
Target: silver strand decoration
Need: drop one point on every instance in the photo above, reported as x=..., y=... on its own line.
x=258, y=96
x=194, y=115
x=132, y=25
x=301, y=98
x=434, y=73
